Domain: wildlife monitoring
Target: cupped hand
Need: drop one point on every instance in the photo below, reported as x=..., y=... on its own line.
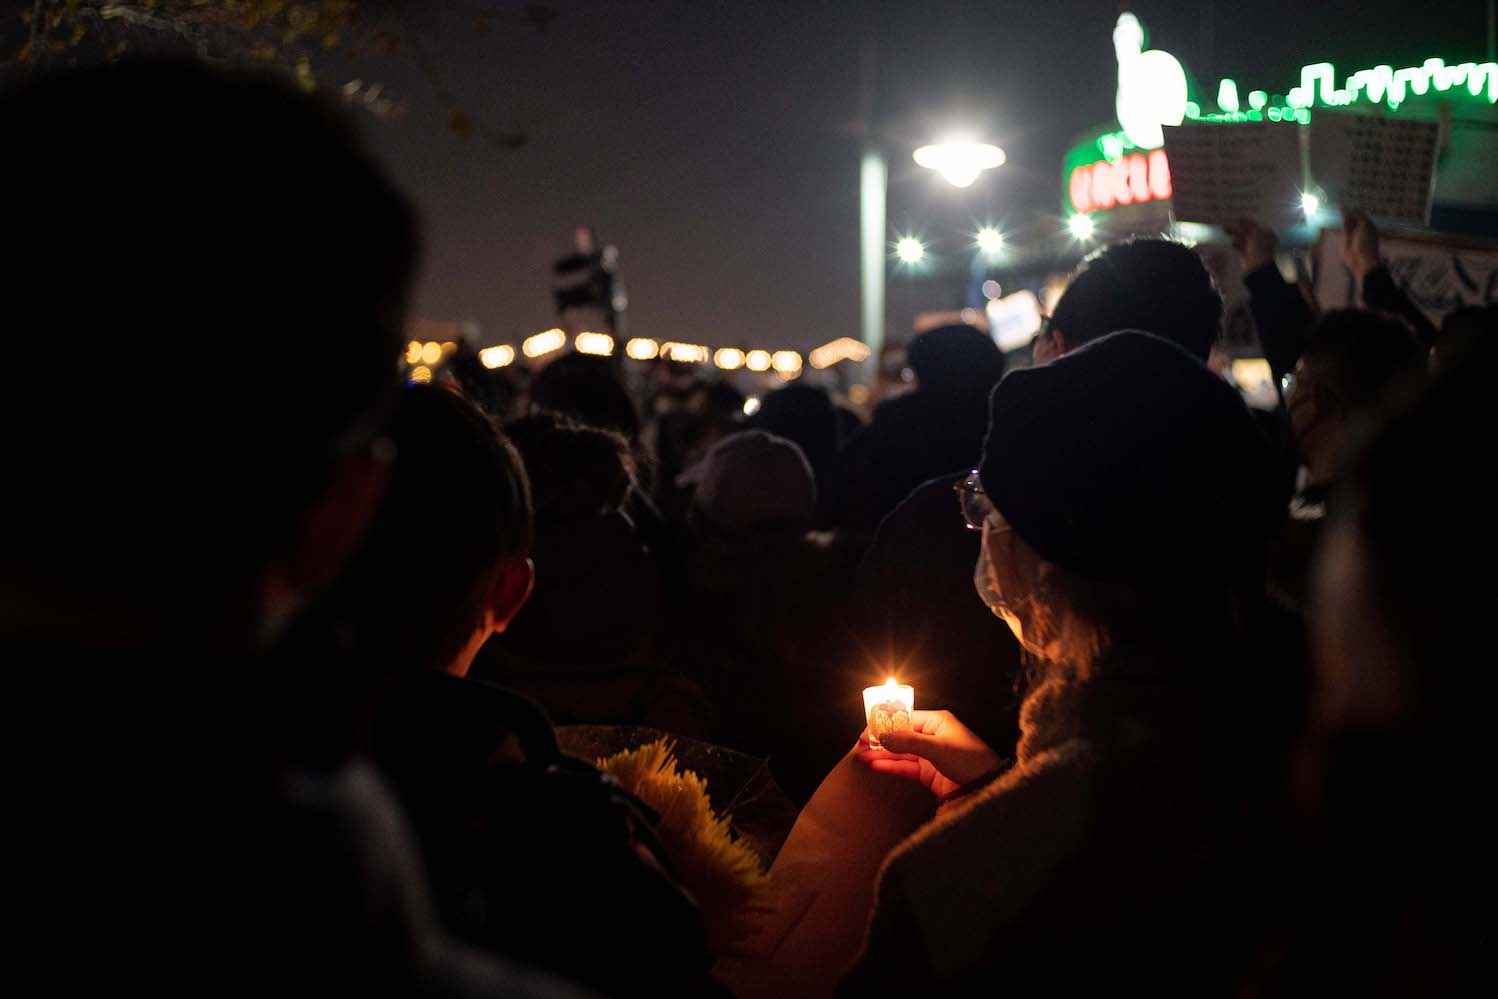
x=938, y=750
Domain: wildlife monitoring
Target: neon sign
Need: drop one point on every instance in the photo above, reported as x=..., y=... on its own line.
x=1129, y=180
x=1151, y=85
x=1128, y=166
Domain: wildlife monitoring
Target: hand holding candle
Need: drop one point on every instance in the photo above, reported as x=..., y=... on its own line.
x=938, y=751
x=887, y=708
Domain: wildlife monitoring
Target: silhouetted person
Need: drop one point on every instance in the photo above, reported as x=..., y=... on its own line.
x=501, y=814
x=935, y=430
x=227, y=310
x=1155, y=285
x=764, y=610
x=584, y=646
x=1398, y=739
x=805, y=416
x=1353, y=367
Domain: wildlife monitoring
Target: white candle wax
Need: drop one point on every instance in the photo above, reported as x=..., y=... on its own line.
x=887, y=708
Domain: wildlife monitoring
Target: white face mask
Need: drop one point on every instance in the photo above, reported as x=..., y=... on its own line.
x=987, y=584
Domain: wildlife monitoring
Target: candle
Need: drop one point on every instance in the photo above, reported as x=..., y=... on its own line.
x=887, y=708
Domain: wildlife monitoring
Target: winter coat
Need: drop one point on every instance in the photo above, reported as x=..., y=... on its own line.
x=1129, y=844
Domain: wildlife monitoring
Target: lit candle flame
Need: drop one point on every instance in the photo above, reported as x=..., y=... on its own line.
x=890, y=684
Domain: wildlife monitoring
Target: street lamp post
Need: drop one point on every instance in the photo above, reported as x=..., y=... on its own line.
x=960, y=162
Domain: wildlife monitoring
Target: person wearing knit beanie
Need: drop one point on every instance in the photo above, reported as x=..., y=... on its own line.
x=1126, y=500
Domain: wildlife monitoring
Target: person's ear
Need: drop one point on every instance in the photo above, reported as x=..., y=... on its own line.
x=1061, y=345
x=511, y=590
x=329, y=530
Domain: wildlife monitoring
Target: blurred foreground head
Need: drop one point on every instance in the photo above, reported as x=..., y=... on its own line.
x=1158, y=286
x=210, y=302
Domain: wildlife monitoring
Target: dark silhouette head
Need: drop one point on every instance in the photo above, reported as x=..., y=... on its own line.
x=450, y=539
x=1155, y=285
x=803, y=414
x=576, y=471
x=586, y=389
x=215, y=277
x=955, y=359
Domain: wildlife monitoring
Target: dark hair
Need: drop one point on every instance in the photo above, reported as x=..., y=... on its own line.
x=457, y=510
x=587, y=390
x=1150, y=284
x=1364, y=357
x=216, y=272
x=955, y=360
x=575, y=471
x=803, y=414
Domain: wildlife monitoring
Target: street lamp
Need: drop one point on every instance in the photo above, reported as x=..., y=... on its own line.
x=910, y=250
x=990, y=241
x=1081, y=226
x=960, y=161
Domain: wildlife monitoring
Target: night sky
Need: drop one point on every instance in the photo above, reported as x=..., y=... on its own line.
x=714, y=143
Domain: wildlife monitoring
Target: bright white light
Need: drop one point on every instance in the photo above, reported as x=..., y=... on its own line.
x=1310, y=204
x=960, y=162
x=600, y=344
x=786, y=361
x=1151, y=86
x=1014, y=321
x=910, y=250
x=544, y=343
x=497, y=357
x=642, y=349
x=1081, y=226
x=729, y=358
x=758, y=360
x=751, y=405
x=990, y=241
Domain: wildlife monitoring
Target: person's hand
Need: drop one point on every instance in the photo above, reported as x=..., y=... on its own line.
x=1359, y=243
x=1255, y=243
x=939, y=751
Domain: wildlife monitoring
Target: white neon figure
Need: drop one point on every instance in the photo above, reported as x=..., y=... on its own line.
x=1151, y=86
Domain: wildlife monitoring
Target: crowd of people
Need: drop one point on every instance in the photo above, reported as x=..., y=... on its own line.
x=294, y=644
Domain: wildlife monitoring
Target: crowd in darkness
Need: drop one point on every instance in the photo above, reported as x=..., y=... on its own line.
x=290, y=641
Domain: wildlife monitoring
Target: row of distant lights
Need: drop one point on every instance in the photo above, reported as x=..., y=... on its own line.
x=911, y=250
x=787, y=363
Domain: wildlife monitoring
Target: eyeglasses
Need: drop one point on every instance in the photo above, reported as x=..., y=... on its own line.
x=976, y=506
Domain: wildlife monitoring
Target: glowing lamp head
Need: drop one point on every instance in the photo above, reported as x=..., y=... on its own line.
x=910, y=250
x=1081, y=226
x=1310, y=204
x=990, y=241
x=958, y=161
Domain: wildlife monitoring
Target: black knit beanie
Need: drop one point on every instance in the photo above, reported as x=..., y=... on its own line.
x=1129, y=461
